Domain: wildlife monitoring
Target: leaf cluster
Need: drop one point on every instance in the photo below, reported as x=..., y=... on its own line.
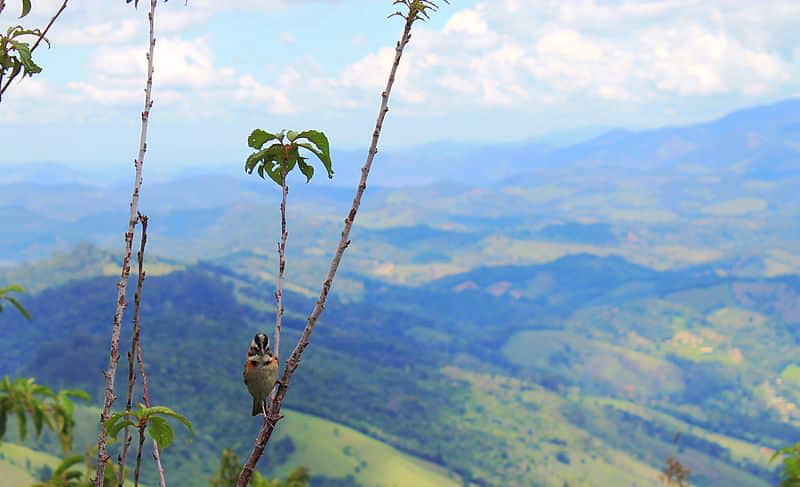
x=15, y=54
x=416, y=9
x=23, y=398
x=790, y=477
x=151, y=419
x=281, y=157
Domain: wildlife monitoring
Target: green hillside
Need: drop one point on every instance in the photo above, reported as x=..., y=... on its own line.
x=21, y=466
x=343, y=453
x=584, y=368
x=332, y=450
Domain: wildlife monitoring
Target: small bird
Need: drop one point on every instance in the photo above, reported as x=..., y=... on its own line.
x=260, y=372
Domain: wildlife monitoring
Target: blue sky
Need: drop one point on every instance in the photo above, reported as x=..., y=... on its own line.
x=478, y=71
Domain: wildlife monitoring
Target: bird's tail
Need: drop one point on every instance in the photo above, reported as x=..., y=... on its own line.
x=257, y=407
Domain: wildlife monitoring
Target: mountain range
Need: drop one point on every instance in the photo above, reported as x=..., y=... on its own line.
x=546, y=314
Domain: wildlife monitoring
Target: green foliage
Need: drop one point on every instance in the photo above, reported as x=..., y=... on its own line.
x=480, y=429
x=280, y=158
x=230, y=466
x=416, y=9
x=23, y=398
x=15, y=54
x=790, y=477
x=26, y=8
x=67, y=473
x=62, y=413
x=4, y=296
x=150, y=419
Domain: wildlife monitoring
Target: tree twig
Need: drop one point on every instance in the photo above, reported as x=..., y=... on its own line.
x=126, y=441
x=136, y=354
x=4, y=87
x=281, y=267
x=137, y=327
x=122, y=285
x=294, y=359
x=139, y=455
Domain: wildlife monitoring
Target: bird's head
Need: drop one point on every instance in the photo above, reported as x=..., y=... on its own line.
x=259, y=345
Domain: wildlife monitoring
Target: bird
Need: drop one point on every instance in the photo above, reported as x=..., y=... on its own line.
x=260, y=372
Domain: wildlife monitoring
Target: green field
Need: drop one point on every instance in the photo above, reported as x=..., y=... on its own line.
x=19, y=465
x=333, y=450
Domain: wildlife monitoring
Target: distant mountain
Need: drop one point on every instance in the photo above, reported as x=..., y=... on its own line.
x=756, y=143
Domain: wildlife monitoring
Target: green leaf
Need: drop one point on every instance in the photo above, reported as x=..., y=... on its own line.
x=76, y=393
x=13, y=288
x=306, y=169
x=26, y=8
x=3, y=419
x=68, y=405
x=22, y=423
x=68, y=463
x=258, y=138
x=114, y=430
x=275, y=174
x=291, y=135
x=19, y=307
x=165, y=411
x=323, y=151
x=294, y=154
x=38, y=420
x=267, y=157
x=160, y=431
x=24, y=52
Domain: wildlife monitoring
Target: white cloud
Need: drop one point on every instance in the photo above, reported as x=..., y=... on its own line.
x=516, y=52
x=499, y=54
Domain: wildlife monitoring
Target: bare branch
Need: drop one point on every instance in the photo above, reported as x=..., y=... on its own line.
x=122, y=285
x=294, y=359
x=137, y=326
x=4, y=87
x=134, y=355
x=126, y=441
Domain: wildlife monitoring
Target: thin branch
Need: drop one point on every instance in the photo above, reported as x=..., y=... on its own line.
x=4, y=87
x=126, y=441
x=281, y=267
x=135, y=352
x=139, y=455
x=294, y=360
x=137, y=328
x=122, y=285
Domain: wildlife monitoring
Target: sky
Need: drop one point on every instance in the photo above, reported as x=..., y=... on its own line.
x=478, y=71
